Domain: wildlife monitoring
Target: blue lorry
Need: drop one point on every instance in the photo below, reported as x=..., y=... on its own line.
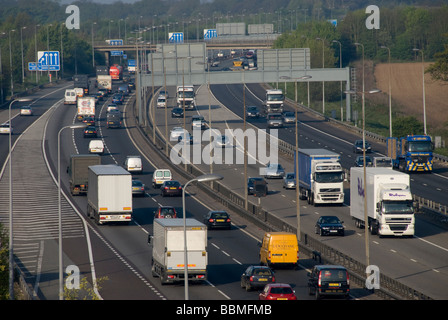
x=413, y=153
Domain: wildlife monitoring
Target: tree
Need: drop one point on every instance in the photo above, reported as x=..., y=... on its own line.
x=439, y=69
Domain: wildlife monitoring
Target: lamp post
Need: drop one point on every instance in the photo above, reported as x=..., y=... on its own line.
x=11, y=238
x=296, y=176
x=424, y=95
x=366, y=223
x=390, y=92
x=323, y=82
x=340, y=66
x=61, y=275
x=202, y=178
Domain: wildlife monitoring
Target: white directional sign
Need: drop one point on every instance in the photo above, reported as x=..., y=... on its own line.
x=48, y=61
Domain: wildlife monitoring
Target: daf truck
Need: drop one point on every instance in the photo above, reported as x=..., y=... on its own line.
x=168, y=258
x=78, y=172
x=389, y=202
x=321, y=176
x=185, y=95
x=109, y=196
x=274, y=100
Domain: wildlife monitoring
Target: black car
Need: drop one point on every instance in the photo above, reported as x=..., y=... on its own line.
x=257, y=186
x=257, y=277
x=217, y=219
x=329, y=225
x=253, y=112
x=90, y=132
x=89, y=120
x=177, y=113
x=328, y=280
x=357, y=146
x=359, y=162
x=171, y=188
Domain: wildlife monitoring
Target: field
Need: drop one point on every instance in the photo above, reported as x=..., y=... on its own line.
x=407, y=94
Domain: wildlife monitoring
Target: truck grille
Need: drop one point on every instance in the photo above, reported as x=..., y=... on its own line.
x=420, y=159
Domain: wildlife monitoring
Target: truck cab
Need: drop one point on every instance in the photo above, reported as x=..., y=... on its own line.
x=413, y=153
x=274, y=100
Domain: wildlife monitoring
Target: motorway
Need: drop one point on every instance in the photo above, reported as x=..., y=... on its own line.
x=121, y=253
x=420, y=262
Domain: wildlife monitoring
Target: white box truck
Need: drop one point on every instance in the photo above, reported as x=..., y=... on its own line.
x=390, y=210
x=186, y=95
x=109, y=197
x=104, y=82
x=321, y=176
x=168, y=259
x=86, y=107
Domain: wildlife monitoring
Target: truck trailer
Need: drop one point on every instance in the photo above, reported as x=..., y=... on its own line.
x=168, y=259
x=78, y=172
x=86, y=107
x=109, y=197
x=321, y=177
x=390, y=209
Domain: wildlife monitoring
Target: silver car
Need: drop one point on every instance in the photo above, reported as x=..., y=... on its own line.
x=289, y=117
x=274, y=120
x=289, y=180
x=274, y=170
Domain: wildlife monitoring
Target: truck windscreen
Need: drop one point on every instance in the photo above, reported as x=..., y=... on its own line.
x=419, y=146
x=398, y=207
x=329, y=177
x=276, y=97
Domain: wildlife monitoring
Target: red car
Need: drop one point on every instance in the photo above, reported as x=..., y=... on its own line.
x=165, y=212
x=277, y=291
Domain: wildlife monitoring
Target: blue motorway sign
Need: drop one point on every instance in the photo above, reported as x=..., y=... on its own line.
x=32, y=66
x=115, y=42
x=210, y=33
x=176, y=37
x=116, y=53
x=48, y=61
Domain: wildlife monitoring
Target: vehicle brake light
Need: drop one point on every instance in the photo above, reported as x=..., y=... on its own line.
x=319, y=281
x=273, y=279
x=348, y=280
x=251, y=278
x=210, y=220
x=228, y=220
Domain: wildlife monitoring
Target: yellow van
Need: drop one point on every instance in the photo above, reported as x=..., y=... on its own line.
x=279, y=248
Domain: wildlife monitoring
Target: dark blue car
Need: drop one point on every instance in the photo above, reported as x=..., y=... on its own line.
x=329, y=225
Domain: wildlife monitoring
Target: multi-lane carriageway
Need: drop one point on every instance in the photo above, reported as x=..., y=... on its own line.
x=121, y=253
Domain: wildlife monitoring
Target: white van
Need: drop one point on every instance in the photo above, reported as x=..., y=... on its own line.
x=70, y=96
x=96, y=146
x=161, y=101
x=159, y=176
x=133, y=164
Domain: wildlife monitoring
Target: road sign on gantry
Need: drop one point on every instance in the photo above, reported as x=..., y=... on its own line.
x=176, y=37
x=48, y=61
x=210, y=33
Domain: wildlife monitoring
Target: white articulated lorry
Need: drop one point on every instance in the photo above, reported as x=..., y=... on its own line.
x=109, y=197
x=86, y=107
x=274, y=100
x=390, y=209
x=321, y=177
x=168, y=259
x=186, y=95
